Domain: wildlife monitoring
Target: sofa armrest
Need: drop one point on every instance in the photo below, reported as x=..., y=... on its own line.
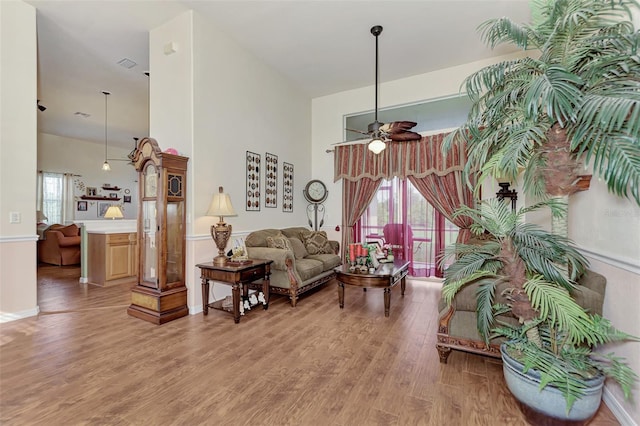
x=69, y=241
x=335, y=246
x=279, y=256
x=593, y=281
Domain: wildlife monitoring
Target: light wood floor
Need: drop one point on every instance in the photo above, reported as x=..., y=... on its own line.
x=84, y=361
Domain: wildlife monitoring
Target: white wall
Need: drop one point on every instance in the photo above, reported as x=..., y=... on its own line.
x=64, y=155
x=18, y=159
x=237, y=104
x=213, y=101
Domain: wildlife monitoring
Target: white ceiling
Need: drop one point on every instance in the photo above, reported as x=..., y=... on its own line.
x=321, y=46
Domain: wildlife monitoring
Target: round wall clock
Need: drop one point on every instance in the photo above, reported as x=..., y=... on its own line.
x=315, y=191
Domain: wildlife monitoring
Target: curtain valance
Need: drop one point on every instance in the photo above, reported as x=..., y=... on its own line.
x=402, y=159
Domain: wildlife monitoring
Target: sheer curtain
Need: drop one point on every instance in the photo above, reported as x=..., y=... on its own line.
x=55, y=196
x=414, y=229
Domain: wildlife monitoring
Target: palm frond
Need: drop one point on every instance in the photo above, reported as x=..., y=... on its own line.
x=450, y=289
x=484, y=312
x=504, y=30
x=618, y=369
x=556, y=93
x=556, y=306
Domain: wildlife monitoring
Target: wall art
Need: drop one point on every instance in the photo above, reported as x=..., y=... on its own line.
x=102, y=208
x=287, y=187
x=271, y=180
x=253, y=182
x=82, y=206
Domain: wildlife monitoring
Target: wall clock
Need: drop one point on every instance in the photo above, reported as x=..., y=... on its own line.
x=315, y=191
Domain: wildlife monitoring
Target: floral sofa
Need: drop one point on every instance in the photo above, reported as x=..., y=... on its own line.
x=457, y=324
x=302, y=259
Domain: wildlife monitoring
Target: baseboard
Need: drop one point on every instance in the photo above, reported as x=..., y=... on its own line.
x=616, y=409
x=193, y=310
x=12, y=316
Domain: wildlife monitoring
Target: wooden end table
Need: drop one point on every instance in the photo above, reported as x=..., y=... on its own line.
x=386, y=276
x=235, y=276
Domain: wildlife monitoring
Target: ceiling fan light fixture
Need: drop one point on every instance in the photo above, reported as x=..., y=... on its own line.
x=377, y=145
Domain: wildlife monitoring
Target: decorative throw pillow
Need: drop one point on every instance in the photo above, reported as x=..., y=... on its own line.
x=279, y=243
x=316, y=242
x=299, y=251
x=69, y=231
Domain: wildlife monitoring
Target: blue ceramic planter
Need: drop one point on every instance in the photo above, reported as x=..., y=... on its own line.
x=549, y=401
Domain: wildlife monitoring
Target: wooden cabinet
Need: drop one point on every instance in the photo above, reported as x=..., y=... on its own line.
x=112, y=258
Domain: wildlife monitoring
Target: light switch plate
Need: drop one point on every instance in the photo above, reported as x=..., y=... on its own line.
x=14, y=217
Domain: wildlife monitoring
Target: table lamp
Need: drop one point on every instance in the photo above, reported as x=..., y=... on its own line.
x=220, y=232
x=40, y=217
x=113, y=212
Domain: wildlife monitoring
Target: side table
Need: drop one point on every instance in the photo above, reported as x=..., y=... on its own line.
x=235, y=276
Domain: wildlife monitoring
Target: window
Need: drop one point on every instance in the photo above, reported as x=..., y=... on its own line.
x=409, y=224
x=55, y=196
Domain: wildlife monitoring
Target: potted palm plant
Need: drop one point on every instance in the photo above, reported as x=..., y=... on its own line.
x=520, y=269
x=574, y=100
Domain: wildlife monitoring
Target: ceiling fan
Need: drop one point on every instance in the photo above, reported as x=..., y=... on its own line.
x=382, y=133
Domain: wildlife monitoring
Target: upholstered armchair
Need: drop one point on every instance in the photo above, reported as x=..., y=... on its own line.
x=60, y=246
x=457, y=324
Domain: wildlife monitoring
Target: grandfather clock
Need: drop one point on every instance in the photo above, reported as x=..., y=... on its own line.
x=160, y=295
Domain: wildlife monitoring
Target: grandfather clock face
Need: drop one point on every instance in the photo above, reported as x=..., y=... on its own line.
x=150, y=181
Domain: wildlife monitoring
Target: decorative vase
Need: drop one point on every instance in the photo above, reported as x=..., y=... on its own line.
x=548, y=406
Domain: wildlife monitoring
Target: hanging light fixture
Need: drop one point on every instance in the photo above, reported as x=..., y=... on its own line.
x=376, y=145
x=105, y=166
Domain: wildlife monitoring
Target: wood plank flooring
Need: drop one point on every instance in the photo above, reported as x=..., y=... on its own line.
x=84, y=361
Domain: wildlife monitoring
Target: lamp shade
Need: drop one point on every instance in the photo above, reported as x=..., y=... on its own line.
x=377, y=145
x=221, y=205
x=113, y=212
x=40, y=217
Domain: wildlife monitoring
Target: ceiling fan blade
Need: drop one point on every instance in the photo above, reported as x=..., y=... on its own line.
x=405, y=136
x=357, y=131
x=353, y=142
x=399, y=126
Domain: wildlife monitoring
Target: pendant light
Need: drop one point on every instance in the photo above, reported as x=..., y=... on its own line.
x=105, y=166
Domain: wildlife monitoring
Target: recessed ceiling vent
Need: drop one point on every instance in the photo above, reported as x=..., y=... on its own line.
x=81, y=114
x=127, y=63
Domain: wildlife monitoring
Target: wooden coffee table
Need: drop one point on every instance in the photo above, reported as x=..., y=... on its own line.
x=386, y=276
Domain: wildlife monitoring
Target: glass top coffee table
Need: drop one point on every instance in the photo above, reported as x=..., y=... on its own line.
x=386, y=276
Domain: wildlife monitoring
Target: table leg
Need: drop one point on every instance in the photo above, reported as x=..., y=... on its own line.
x=235, y=291
x=265, y=290
x=205, y=296
x=341, y=294
x=387, y=300
x=403, y=284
